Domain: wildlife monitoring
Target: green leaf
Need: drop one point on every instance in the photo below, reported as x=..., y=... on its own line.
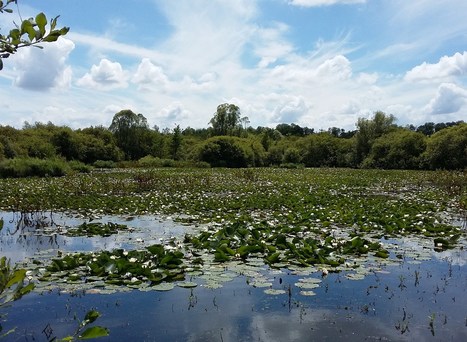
x=271, y=259
x=17, y=277
x=94, y=332
x=25, y=290
x=41, y=21
x=91, y=316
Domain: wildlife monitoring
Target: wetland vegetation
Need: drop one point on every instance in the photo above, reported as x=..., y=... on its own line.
x=315, y=249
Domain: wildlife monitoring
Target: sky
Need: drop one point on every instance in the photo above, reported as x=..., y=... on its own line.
x=315, y=63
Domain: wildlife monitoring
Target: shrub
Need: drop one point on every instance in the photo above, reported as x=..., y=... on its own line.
x=231, y=152
x=291, y=155
x=104, y=164
x=78, y=166
x=150, y=161
x=28, y=167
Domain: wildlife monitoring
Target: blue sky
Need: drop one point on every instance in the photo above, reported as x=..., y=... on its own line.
x=317, y=63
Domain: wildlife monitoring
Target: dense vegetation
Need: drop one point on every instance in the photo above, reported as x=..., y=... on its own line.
x=314, y=217
x=129, y=141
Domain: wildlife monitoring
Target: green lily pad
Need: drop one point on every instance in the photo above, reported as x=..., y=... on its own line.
x=274, y=292
x=163, y=287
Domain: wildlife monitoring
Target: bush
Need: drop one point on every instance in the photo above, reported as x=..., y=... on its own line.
x=232, y=152
x=447, y=149
x=291, y=155
x=78, y=166
x=150, y=161
x=104, y=164
x=291, y=166
x=29, y=167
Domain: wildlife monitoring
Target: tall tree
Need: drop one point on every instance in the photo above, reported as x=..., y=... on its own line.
x=176, y=142
x=132, y=134
x=370, y=129
x=31, y=32
x=226, y=120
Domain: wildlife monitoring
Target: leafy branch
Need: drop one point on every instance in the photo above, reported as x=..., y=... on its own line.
x=30, y=32
x=89, y=333
x=11, y=285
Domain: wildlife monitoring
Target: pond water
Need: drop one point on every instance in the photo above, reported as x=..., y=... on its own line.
x=406, y=298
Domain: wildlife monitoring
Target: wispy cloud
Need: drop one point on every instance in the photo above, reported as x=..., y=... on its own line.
x=313, y=3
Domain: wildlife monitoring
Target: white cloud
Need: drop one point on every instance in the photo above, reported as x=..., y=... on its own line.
x=174, y=113
x=446, y=68
x=366, y=78
x=99, y=43
x=105, y=76
x=336, y=68
x=206, y=34
x=150, y=74
x=43, y=69
x=449, y=98
x=314, y=3
x=269, y=44
x=288, y=108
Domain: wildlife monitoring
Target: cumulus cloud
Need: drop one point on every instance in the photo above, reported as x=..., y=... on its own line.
x=149, y=74
x=314, y=3
x=447, y=67
x=173, y=113
x=43, y=69
x=289, y=108
x=336, y=68
x=105, y=76
x=450, y=98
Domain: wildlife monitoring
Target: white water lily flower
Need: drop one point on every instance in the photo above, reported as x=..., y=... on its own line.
x=113, y=257
x=125, y=253
x=132, y=260
x=134, y=280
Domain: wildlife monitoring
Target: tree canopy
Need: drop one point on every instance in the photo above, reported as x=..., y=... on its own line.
x=129, y=141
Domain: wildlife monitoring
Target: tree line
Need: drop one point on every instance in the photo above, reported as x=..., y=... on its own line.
x=229, y=141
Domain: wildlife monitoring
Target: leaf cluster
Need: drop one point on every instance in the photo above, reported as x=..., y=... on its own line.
x=30, y=32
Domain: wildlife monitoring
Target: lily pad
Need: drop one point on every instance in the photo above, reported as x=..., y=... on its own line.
x=274, y=292
x=187, y=284
x=163, y=287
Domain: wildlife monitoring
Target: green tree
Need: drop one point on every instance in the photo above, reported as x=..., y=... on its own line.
x=176, y=142
x=291, y=155
x=447, y=149
x=132, y=134
x=67, y=144
x=30, y=32
x=401, y=149
x=224, y=151
x=226, y=120
x=321, y=149
x=369, y=130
